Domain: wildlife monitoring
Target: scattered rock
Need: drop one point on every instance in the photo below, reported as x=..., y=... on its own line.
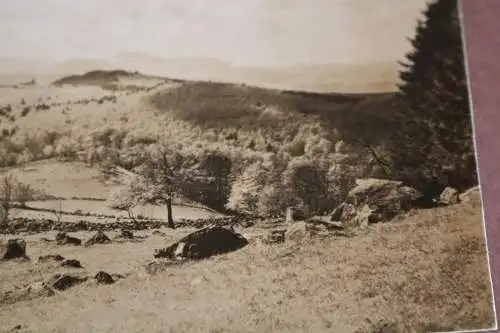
x=65, y=281
x=15, y=248
x=99, y=238
x=104, y=278
x=276, y=237
x=358, y=219
x=128, y=234
x=35, y=290
x=449, y=196
x=158, y=233
x=64, y=239
x=72, y=263
x=156, y=267
x=296, y=232
x=40, y=289
x=50, y=257
x=204, y=243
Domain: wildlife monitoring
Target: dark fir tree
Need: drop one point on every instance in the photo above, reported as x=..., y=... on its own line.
x=433, y=146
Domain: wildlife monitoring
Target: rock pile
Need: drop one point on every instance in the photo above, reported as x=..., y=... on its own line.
x=374, y=200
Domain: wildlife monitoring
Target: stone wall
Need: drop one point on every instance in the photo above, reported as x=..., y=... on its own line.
x=30, y=225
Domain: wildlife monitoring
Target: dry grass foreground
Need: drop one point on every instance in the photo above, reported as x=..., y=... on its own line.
x=426, y=271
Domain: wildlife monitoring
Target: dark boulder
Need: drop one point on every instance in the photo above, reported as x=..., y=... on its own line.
x=128, y=234
x=104, y=278
x=203, y=244
x=99, y=238
x=14, y=248
x=64, y=239
x=72, y=263
x=65, y=281
x=50, y=257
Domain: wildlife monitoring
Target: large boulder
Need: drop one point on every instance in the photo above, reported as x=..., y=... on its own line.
x=13, y=249
x=375, y=200
x=204, y=243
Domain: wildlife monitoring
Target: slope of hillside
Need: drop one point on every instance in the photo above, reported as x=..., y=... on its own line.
x=219, y=106
x=194, y=119
x=424, y=272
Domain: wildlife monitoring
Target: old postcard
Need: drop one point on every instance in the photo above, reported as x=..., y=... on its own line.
x=239, y=166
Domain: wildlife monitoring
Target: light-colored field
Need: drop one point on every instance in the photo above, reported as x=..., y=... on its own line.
x=99, y=207
x=48, y=94
x=71, y=179
x=426, y=270
x=75, y=179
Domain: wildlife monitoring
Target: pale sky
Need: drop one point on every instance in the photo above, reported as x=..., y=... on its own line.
x=246, y=32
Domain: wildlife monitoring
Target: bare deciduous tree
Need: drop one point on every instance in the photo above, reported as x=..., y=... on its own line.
x=125, y=198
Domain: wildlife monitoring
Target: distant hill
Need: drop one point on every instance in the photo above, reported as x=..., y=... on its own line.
x=116, y=79
x=96, y=77
x=348, y=78
x=224, y=106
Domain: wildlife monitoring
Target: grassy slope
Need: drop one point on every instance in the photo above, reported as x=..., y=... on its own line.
x=426, y=270
x=429, y=268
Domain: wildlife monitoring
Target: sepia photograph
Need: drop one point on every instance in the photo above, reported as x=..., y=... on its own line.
x=238, y=167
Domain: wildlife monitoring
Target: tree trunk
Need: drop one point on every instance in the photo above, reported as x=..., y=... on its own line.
x=388, y=172
x=130, y=215
x=170, y=220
